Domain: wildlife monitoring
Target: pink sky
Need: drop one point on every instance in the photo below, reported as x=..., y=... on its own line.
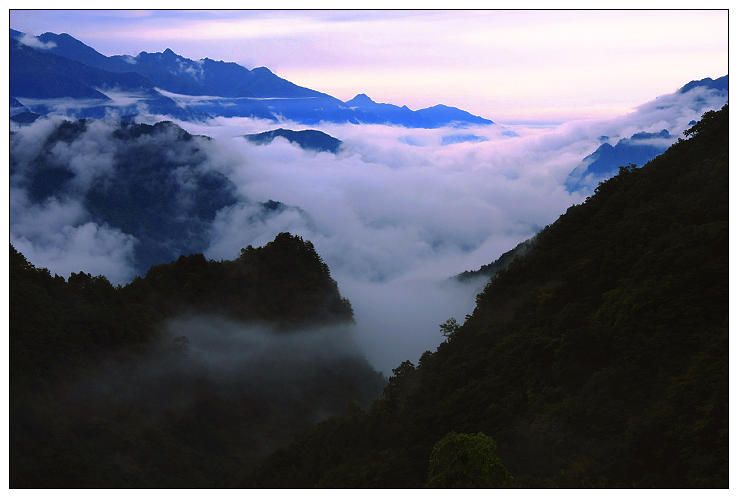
x=507, y=66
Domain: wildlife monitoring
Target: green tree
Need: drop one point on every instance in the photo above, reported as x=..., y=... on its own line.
x=467, y=461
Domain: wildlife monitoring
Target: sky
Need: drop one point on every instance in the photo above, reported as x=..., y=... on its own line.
x=507, y=66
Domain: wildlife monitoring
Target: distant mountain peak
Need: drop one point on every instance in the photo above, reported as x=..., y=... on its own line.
x=307, y=139
x=262, y=69
x=360, y=99
x=716, y=84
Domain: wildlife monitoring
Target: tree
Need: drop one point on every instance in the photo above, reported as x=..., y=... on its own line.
x=467, y=461
x=449, y=328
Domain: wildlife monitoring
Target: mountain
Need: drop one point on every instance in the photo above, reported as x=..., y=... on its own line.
x=20, y=113
x=49, y=80
x=444, y=114
x=65, y=45
x=16, y=107
x=111, y=387
x=39, y=75
x=720, y=84
x=178, y=74
x=230, y=89
x=25, y=117
x=643, y=146
x=307, y=139
x=488, y=271
x=432, y=117
x=148, y=181
x=252, y=288
x=599, y=358
x=604, y=162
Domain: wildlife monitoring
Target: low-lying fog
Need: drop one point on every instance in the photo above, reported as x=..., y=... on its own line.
x=394, y=214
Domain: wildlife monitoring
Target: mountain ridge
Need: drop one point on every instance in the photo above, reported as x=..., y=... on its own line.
x=236, y=85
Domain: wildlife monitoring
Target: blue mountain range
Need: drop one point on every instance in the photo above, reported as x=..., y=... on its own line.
x=57, y=66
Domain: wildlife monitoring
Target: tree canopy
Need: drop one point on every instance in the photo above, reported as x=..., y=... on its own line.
x=101, y=395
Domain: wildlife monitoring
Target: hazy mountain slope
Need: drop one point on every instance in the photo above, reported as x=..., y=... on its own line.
x=307, y=139
x=40, y=75
x=607, y=159
x=147, y=181
x=643, y=146
x=490, y=270
x=599, y=358
x=49, y=83
x=110, y=389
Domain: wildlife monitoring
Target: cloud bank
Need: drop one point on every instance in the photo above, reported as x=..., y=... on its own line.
x=394, y=214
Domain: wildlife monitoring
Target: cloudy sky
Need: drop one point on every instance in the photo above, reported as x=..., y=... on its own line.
x=508, y=66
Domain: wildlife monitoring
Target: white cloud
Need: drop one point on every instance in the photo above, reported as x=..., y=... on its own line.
x=90, y=157
x=34, y=42
x=54, y=235
x=394, y=220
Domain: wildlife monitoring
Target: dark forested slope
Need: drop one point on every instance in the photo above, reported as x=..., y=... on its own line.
x=600, y=358
x=179, y=379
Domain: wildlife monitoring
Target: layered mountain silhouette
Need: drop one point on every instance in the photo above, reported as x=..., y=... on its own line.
x=431, y=117
x=604, y=162
x=637, y=150
x=44, y=81
x=56, y=66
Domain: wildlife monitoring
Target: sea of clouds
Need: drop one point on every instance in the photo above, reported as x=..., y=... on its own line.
x=394, y=214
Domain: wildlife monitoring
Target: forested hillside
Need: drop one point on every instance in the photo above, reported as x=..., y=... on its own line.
x=597, y=359
x=181, y=378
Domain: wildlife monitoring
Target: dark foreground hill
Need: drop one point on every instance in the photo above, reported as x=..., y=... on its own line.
x=598, y=359
x=180, y=379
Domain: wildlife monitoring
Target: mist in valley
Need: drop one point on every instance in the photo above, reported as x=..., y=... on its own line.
x=394, y=214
